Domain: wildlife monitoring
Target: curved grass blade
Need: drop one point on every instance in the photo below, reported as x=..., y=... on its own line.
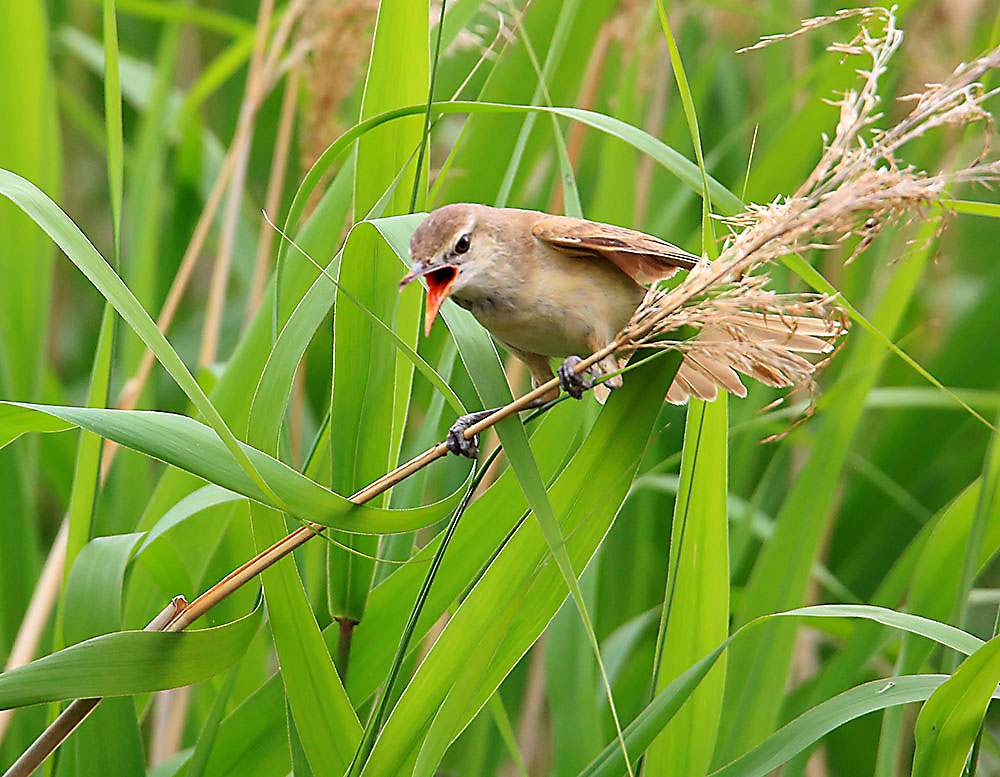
x=651, y=720
x=950, y=719
x=820, y=720
x=188, y=507
x=684, y=169
x=82, y=253
x=128, y=662
x=194, y=447
x=92, y=606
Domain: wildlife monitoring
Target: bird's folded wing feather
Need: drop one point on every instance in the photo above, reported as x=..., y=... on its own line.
x=642, y=257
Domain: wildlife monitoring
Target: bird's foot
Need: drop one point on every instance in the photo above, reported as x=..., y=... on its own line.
x=573, y=382
x=456, y=441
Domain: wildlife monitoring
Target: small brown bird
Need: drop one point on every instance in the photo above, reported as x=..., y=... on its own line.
x=560, y=287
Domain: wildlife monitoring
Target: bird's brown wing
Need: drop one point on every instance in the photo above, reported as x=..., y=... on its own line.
x=642, y=257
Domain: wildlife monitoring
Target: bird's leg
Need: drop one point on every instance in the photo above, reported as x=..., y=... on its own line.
x=573, y=382
x=541, y=373
x=456, y=441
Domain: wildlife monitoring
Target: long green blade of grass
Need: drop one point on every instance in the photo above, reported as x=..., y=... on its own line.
x=128, y=662
x=371, y=382
x=758, y=666
x=82, y=253
x=29, y=144
x=651, y=719
x=695, y=613
x=950, y=719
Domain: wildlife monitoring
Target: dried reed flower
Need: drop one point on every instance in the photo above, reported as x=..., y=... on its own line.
x=859, y=184
x=339, y=36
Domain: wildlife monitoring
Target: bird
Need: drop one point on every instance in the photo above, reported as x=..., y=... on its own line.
x=549, y=286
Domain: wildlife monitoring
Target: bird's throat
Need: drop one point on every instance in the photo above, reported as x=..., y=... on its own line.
x=439, y=283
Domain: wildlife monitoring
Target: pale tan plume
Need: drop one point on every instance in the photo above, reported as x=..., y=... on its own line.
x=764, y=347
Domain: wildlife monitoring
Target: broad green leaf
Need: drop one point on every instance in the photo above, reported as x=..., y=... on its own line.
x=128, y=662
x=695, y=614
x=758, y=666
x=950, y=719
x=92, y=606
x=193, y=447
x=520, y=593
x=94, y=588
x=83, y=254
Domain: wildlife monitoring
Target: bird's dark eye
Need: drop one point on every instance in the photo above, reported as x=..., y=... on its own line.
x=463, y=244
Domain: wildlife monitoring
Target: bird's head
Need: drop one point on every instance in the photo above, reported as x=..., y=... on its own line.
x=449, y=248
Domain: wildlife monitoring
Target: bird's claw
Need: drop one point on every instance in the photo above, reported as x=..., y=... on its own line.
x=573, y=382
x=456, y=441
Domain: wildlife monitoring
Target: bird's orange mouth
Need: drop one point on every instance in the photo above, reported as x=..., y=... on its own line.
x=439, y=283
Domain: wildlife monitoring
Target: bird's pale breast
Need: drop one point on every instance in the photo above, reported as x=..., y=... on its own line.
x=563, y=306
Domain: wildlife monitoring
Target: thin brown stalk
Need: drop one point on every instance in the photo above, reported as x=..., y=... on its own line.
x=275, y=185
x=245, y=124
x=170, y=710
x=43, y=599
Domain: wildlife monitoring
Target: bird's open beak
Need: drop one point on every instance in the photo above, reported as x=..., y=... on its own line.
x=440, y=279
